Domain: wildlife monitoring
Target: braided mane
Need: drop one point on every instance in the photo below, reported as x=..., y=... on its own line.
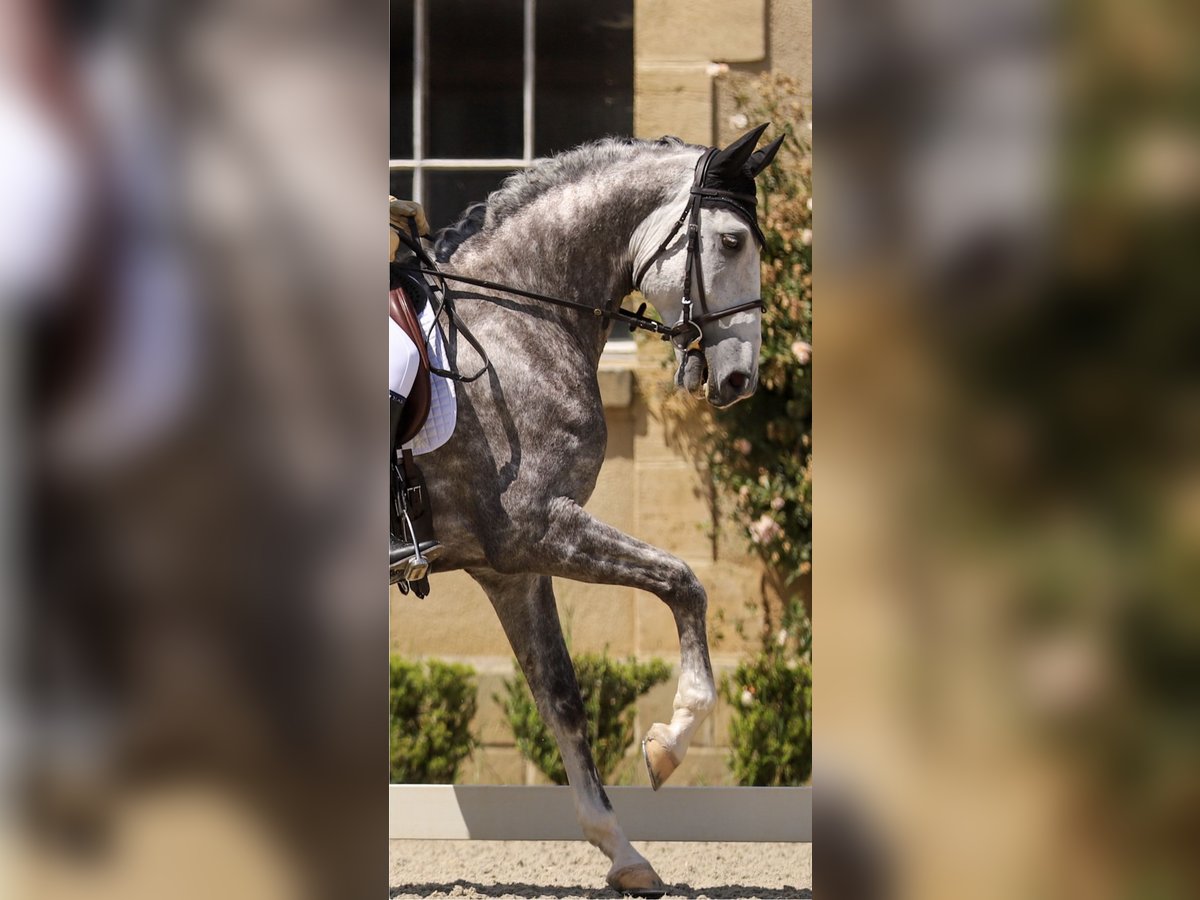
x=522, y=188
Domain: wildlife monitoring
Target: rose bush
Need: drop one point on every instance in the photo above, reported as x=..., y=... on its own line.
x=758, y=454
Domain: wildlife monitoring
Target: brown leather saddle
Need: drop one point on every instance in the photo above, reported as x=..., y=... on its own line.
x=416, y=409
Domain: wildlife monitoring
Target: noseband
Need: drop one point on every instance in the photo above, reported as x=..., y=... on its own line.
x=688, y=333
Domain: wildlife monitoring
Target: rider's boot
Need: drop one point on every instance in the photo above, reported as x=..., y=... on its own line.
x=401, y=549
x=406, y=562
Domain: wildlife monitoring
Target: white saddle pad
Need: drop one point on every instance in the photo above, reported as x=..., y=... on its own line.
x=443, y=406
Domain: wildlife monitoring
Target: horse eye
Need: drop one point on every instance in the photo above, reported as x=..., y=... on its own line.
x=731, y=241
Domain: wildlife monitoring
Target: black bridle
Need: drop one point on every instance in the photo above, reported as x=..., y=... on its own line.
x=687, y=334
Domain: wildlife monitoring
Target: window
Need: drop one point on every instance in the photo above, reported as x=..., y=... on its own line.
x=480, y=88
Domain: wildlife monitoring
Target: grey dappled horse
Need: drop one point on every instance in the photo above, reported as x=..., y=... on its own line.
x=510, y=485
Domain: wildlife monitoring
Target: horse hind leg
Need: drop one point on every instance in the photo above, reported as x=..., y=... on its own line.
x=579, y=546
x=527, y=612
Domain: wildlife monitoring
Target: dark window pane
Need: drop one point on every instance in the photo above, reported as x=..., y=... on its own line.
x=475, y=72
x=584, y=84
x=400, y=145
x=400, y=185
x=447, y=194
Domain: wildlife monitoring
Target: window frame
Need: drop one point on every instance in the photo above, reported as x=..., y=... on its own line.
x=620, y=348
x=418, y=164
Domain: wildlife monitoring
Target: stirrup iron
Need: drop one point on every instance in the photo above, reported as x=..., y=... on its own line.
x=417, y=566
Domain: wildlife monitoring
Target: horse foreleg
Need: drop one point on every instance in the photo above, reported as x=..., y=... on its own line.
x=525, y=606
x=581, y=547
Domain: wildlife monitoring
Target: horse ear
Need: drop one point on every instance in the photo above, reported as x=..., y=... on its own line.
x=732, y=158
x=760, y=159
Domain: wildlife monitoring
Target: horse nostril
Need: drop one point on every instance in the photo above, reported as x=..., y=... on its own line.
x=739, y=381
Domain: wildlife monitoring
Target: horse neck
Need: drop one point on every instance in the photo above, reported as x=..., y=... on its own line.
x=573, y=246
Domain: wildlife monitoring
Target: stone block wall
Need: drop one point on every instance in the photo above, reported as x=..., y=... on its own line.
x=690, y=57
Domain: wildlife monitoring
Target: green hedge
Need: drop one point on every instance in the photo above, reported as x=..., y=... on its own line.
x=770, y=732
x=432, y=705
x=609, y=689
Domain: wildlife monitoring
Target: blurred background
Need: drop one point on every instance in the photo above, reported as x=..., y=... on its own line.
x=191, y=275
x=1009, y=413
x=471, y=106
x=1009, y=498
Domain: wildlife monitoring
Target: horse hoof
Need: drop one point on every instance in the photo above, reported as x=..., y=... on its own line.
x=659, y=761
x=637, y=881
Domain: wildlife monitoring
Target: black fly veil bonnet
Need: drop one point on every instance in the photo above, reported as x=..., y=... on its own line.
x=723, y=178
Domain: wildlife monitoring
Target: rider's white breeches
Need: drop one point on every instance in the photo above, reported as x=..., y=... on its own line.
x=402, y=360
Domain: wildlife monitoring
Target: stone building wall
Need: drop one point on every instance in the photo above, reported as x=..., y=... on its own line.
x=690, y=55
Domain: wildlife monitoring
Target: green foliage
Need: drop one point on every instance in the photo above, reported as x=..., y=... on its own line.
x=758, y=455
x=609, y=689
x=770, y=734
x=432, y=705
x=759, y=452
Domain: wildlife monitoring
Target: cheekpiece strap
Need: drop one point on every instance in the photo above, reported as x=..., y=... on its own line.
x=743, y=205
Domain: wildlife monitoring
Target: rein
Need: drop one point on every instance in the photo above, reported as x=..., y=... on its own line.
x=428, y=267
x=636, y=319
x=687, y=334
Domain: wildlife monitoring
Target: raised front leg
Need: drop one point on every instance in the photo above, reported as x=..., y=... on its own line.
x=576, y=545
x=525, y=606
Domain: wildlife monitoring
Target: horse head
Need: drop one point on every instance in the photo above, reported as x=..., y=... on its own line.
x=706, y=270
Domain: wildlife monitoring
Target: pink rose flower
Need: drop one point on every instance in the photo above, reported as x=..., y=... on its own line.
x=764, y=530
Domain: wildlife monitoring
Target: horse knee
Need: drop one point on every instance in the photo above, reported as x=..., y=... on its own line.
x=684, y=590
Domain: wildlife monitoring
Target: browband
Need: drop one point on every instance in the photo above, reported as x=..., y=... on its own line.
x=745, y=206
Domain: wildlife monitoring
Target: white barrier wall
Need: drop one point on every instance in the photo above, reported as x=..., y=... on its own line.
x=547, y=813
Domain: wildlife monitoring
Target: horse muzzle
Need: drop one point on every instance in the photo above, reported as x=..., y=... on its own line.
x=736, y=385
